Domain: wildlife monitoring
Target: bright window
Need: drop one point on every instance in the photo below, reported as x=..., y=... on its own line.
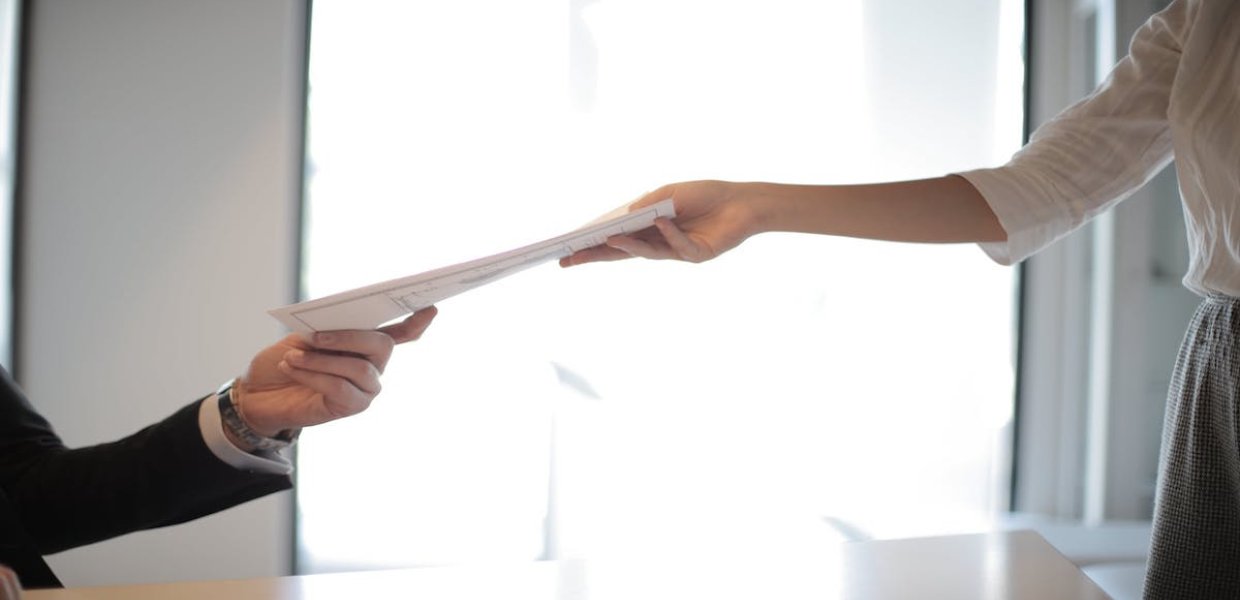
x=762, y=403
x=9, y=48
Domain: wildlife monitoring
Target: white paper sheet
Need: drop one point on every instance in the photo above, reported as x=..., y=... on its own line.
x=373, y=305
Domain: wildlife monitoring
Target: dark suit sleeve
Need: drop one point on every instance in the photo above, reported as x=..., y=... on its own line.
x=162, y=475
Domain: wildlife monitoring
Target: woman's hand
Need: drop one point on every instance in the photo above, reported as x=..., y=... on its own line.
x=712, y=217
x=298, y=382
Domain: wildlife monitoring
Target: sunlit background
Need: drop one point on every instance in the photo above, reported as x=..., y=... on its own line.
x=797, y=392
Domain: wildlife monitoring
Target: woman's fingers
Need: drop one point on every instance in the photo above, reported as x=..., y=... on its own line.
x=595, y=254
x=636, y=246
x=680, y=242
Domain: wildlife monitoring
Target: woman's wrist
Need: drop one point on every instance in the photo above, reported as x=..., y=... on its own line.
x=766, y=207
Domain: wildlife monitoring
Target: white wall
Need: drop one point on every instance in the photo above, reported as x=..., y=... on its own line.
x=160, y=197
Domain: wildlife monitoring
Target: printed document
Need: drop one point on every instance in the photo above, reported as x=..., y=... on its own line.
x=374, y=305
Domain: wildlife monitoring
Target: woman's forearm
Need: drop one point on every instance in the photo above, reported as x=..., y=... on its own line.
x=943, y=209
x=713, y=217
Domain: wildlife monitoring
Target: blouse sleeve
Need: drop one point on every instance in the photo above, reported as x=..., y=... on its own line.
x=1096, y=152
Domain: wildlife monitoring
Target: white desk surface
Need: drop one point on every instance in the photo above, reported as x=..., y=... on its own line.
x=1008, y=565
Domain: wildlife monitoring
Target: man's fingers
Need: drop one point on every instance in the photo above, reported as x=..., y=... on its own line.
x=340, y=397
x=372, y=347
x=375, y=346
x=362, y=373
x=412, y=327
x=10, y=586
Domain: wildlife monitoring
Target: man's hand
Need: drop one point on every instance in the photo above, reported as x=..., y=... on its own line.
x=10, y=586
x=298, y=382
x=712, y=217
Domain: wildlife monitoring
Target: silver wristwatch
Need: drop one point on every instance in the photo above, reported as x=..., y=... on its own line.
x=233, y=421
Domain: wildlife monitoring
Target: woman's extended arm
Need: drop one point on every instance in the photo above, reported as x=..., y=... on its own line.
x=713, y=217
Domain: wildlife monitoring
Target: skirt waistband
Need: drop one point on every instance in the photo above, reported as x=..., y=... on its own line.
x=1221, y=299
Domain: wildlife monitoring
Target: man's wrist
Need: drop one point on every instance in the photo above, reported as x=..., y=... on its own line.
x=235, y=439
x=213, y=435
x=238, y=429
x=237, y=391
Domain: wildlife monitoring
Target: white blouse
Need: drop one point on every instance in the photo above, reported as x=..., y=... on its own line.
x=1177, y=94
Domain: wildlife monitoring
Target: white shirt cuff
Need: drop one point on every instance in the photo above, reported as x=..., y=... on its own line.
x=212, y=428
x=1031, y=222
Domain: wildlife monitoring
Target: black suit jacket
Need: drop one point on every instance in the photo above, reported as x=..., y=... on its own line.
x=53, y=498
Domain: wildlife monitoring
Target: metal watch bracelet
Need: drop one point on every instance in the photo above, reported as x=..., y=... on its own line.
x=231, y=417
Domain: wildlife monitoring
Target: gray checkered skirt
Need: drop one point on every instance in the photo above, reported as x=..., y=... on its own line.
x=1195, y=551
